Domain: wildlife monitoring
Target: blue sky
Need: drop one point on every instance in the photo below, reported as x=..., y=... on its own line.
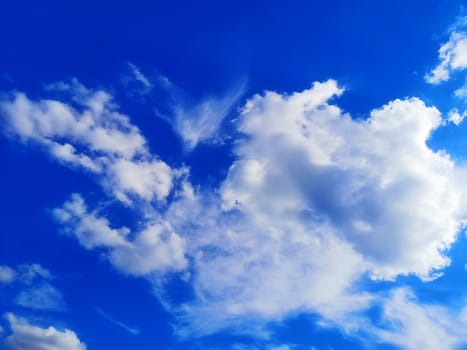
x=249, y=175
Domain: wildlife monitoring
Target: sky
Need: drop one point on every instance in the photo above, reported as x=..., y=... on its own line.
x=239, y=175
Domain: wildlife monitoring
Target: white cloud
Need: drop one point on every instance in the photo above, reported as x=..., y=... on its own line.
x=39, y=293
x=452, y=54
x=28, y=273
x=42, y=297
x=246, y=273
x=156, y=248
x=24, y=273
x=461, y=93
x=139, y=77
x=91, y=135
x=411, y=325
x=200, y=121
x=455, y=117
x=314, y=201
x=30, y=337
x=375, y=182
x=7, y=274
x=148, y=180
x=131, y=330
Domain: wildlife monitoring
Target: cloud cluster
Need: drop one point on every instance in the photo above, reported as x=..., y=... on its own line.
x=89, y=133
x=27, y=336
x=314, y=202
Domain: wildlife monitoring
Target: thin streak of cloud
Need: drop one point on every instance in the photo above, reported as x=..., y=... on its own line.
x=131, y=330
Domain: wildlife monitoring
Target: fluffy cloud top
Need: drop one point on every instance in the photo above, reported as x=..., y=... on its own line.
x=26, y=336
x=89, y=133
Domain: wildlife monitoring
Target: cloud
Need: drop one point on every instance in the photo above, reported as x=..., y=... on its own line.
x=411, y=325
x=198, y=121
x=155, y=248
x=295, y=226
x=201, y=122
x=137, y=76
x=24, y=273
x=28, y=273
x=455, y=117
x=89, y=133
x=39, y=293
x=42, y=297
x=26, y=336
x=452, y=54
x=131, y=330
x=314, y=202
x=7, y=274
x=375, y=182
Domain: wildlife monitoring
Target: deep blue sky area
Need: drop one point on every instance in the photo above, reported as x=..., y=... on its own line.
x=377, y=51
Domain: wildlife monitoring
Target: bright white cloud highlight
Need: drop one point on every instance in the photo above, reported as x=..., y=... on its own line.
x=154, y=249
x=89, y=133
x=30, y=337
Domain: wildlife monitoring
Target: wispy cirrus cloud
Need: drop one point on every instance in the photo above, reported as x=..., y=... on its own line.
x=131, y=330
x=198, y=120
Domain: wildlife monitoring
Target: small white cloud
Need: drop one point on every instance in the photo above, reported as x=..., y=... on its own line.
x=28, y=273
x=26, y=336
x=156, y=248
x=461, y=93
x=136, y=75
x=411, y=325
x=7, y=274
x=452, y=54
x=42, y=297
x=147, y=179
x=455, y=117
x=90, y=230
x=200, y=121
